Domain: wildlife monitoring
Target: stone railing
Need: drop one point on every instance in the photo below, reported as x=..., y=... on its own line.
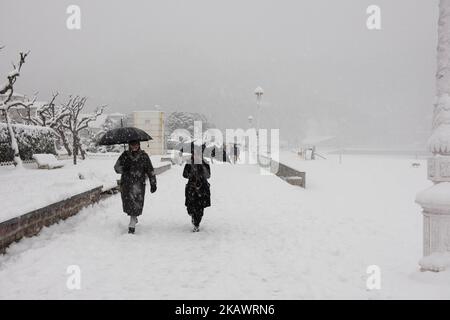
x=288, y=174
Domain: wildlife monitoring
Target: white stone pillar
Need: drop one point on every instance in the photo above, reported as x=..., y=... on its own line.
x=435, y=201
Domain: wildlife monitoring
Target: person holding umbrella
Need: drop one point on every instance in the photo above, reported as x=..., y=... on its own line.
x=197, y=191
x=134, y=165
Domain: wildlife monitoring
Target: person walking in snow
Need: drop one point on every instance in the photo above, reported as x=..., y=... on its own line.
x=197, y=191
x=134, y=165
x=235, y=153
x=225, y=156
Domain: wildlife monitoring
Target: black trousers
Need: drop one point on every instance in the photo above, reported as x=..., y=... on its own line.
x=197, y=214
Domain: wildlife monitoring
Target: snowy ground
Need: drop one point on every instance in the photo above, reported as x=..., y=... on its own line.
x=261, y=239
x=24, y=190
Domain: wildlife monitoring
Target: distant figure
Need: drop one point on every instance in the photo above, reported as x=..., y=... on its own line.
x=180, y=151
x=235, y=153
x=197, y=192
x=180, y=157
x=134, y=165
x=225, y=157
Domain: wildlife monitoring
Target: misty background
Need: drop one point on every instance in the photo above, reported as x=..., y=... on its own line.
x=323, y=71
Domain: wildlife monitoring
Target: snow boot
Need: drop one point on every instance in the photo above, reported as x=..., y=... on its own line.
x=132, y=225
x=196, y=229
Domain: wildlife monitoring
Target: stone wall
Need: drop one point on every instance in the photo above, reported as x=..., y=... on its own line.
x=162, y=168
x=31, y=223
x=288, y=174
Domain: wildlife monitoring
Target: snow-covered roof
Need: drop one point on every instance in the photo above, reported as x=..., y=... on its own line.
x=117, y=114
x=148, y=111
x=15, y=96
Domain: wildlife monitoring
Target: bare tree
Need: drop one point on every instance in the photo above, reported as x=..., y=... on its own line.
x=7, y=89
x=75, y=122
x=49, y=115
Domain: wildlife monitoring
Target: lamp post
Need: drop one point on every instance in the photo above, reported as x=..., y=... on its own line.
x=435, y=201
x=259, y=93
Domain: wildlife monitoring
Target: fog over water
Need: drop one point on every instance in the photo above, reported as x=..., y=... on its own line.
x=323, y=72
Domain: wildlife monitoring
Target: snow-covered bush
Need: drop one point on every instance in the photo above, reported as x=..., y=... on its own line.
x=31, y=139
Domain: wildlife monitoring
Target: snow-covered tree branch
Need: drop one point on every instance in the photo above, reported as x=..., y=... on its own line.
x=8, y=87
x=8, y=90
x=50, y=115
x=75, y=122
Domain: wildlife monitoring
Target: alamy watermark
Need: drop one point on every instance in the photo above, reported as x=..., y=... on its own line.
x=73, y=21
x=374, y=19
x=373, y=281
x=74, y=277
x=254, y=146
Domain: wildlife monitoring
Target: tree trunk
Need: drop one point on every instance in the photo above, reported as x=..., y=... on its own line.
x=64, y=142
x=82, y=152
x=75, y=148
x=14, y=144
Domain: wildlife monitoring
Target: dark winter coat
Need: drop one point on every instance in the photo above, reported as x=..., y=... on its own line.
x=134, y=167
x=197, y=191
x=225, y=156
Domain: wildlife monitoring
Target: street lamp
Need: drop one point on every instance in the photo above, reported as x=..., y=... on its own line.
x=259, y=93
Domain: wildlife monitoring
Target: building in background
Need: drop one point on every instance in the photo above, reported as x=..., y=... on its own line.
x=151, y=122
x=117, y=117
x=16, y=115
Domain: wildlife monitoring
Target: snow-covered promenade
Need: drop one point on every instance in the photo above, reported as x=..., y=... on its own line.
x=261, y=239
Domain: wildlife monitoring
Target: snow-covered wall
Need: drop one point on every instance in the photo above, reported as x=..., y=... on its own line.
x=31, y=223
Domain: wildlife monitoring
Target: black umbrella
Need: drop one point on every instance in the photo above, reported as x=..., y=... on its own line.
x=123, y=135
x=185, y=146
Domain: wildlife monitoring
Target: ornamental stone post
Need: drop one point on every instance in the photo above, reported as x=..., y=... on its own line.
x=435, y=201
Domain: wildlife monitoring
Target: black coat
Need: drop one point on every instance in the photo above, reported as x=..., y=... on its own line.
x=134, y=167
x=197, y=191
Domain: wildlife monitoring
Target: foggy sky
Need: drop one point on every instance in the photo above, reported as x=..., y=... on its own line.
x=322, y=71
